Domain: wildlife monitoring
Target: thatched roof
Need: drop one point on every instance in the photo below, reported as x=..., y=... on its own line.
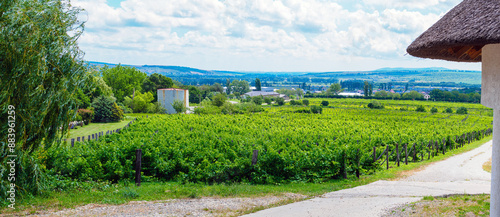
x=461, y=33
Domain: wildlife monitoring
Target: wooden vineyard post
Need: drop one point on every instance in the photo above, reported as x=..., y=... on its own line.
x=344, y=165
x=437, y=148
x=374, y=153
x=138, y=155
x=78, y=139
x=414, y=153
x=72, y=142
x=255, y=157
x=387, y=157
x=397, y=153
x=357, y=162
x=444, y=146
x=406, y=153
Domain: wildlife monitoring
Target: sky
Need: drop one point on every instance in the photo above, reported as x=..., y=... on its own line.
x=261, y=35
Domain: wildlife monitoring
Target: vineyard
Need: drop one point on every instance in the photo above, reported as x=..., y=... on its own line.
x=291, y=146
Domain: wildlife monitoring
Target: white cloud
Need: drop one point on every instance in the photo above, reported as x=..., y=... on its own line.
x=191, y=32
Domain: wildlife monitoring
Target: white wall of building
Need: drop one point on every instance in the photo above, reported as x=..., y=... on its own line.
x=167, y=96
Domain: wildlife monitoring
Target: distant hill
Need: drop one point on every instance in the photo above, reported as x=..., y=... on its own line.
x=172, y=70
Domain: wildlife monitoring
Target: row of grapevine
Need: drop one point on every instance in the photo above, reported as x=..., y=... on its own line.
x=291, y=146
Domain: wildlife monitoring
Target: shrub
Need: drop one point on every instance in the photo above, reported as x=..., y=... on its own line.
x=324, y=103
x=420, y=108
x=316, y=109
x=462, y=111
x=303, y=110
x=179, y=106
x=280, y=101
x=305, y=102
x=375, y=105
x=448, y=110
x=268, y=100
x=257, y=100
x=218, y=100
x=86, y=114
x=434, y=110
x=294, y=102
x=106, y=110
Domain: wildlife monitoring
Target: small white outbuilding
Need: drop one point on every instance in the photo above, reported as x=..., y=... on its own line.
x=167, y=96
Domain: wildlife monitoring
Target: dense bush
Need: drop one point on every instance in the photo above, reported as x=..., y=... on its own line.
x=324, y=103
x=280, y=101
x=179, y=106
x=434, y=110
x=462, y=110
x=375, y=105
x=420, y=108
x=295, y=102
x=448, y=110
x=268, y=100
x=257, y=100
x=219, y=100
x=305, y=102
x=106, y=110
x=87, y=115
x=316, y=109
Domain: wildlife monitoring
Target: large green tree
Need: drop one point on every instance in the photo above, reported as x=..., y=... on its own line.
x=123, y=80
x=257, y=85
x=156, y=81
x=41, y=67
x=240, y=87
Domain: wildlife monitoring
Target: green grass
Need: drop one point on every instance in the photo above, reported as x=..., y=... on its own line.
x=455, y=205
x=98, y=127
x=124, y=192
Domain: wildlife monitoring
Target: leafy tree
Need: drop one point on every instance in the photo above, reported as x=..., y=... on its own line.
x=382, y=94
x=434, y=110
x=280, y=101
x=156, y=81
x=42, y=70
x=123, y=80
x=139, y=102
x=106, y=110
x=305, y=102
x=179, y=106
x=217, y=88
x=240, y=87
x=219, y=100
x=324, y=103
x=335, y=89
x=87, y=115
x=366, y=88
x=462, y=111
x=257, y=85
x=228, y=86
x=413, y=95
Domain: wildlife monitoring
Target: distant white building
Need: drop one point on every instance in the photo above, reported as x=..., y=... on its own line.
x=350, y=94
x=167, y=96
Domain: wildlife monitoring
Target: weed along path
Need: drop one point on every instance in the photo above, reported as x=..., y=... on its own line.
x=459, y=174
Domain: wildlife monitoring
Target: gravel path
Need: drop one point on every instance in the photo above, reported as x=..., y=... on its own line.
x=176, y=207
x=460, y=174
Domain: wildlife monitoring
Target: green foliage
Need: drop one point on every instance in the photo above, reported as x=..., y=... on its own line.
x=448, y=110
x=316, y=109
x=240, y=87
x=268, y=100
x=335, y=89
x=305, y=102
x=434, y=110
x=295, y=102
x=413, y=95
x=462, y=110
x=87, y=115
x=324, y=103
x=291, y=93
x=179, y=106
x=41, y=68
x=280, y=101
x=420, y=108
x=123, y=80
x=154, y=82
x=257, y=85
x=375, y=105
x=257, y=100
x=106, y=110
x=140, y=103
x=219, y=100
